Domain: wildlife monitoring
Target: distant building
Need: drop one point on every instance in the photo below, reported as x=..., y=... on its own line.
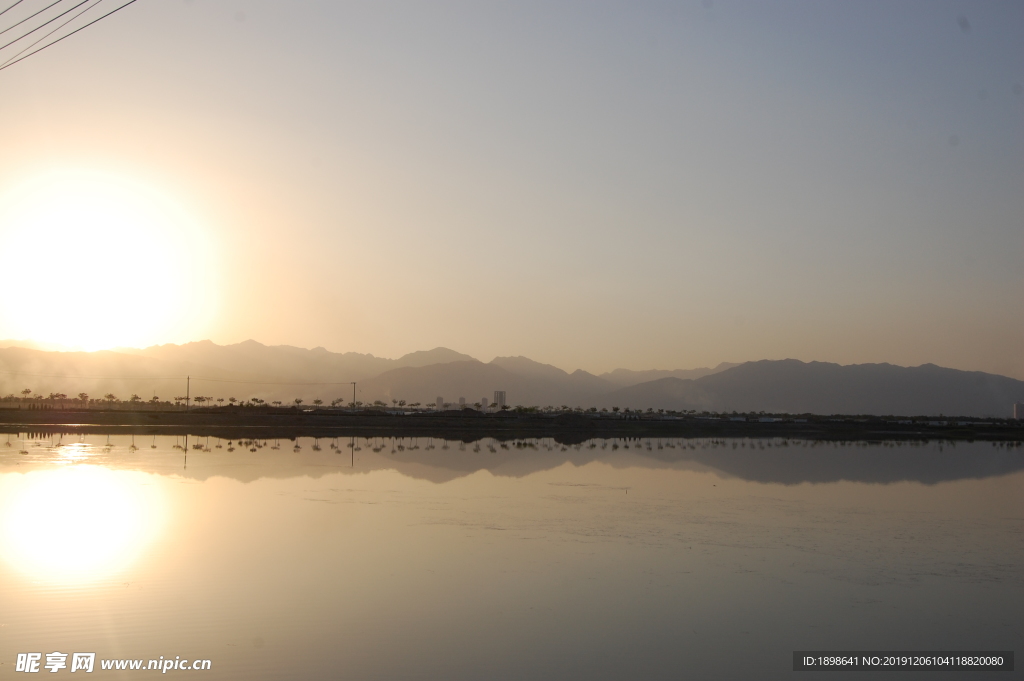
x=440, y=403
x=462, y=403
x=1018, y=411
x=499, y=398
x=484, y=403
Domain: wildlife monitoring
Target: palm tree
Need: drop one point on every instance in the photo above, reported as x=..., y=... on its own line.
x=83, y=397
x=317, y=402
x=276, y=403
x=298, y=401
x=232, y=400
x=26, y=392
x=220, y=401
x=110, y=397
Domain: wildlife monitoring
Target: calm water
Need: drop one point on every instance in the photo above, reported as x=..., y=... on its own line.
x=425, y=559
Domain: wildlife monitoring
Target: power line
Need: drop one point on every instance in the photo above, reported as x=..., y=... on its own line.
x=12, y=7
x=48, y=22
x=222, y=380
x=29, y=17
x=23, y=51
x=82, y=28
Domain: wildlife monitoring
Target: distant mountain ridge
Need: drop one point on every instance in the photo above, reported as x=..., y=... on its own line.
x=625, y=377
x=251, y=369
x=795, y=387
x=288, y=363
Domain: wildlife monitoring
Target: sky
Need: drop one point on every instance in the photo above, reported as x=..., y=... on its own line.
x=590, y=184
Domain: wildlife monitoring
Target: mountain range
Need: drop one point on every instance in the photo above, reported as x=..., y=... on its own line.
x=251, y=369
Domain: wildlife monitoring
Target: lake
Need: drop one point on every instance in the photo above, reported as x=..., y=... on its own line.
x=404, y=558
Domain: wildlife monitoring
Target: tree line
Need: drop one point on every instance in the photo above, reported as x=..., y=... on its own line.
x=83, y=399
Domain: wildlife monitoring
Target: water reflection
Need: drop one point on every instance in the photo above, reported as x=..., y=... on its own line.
x=767, y=460
x=78, y=523
x=319, y=558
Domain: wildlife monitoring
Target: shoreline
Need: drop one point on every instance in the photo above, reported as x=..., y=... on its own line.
x=470, y=425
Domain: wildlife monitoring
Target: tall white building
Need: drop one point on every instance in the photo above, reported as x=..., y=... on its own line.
x=440, y=403
x=499, y=398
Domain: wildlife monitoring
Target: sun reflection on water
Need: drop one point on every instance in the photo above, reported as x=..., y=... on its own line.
x=74, y=452
x=79, y=523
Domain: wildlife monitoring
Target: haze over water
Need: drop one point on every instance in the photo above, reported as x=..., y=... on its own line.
x=409, y=558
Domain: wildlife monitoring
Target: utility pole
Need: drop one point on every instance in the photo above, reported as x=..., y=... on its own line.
x=188, y=387
x=353, y=395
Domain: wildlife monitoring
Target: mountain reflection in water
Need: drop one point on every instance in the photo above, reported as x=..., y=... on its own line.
x=425, y=558
x=768, y=460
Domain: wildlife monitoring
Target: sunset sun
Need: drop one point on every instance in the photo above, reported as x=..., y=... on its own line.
x=97, y=261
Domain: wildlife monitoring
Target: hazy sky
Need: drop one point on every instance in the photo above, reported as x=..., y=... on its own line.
x=593, y=185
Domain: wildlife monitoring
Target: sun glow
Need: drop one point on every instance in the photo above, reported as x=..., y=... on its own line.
x=77, y=524
x=95, y=261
